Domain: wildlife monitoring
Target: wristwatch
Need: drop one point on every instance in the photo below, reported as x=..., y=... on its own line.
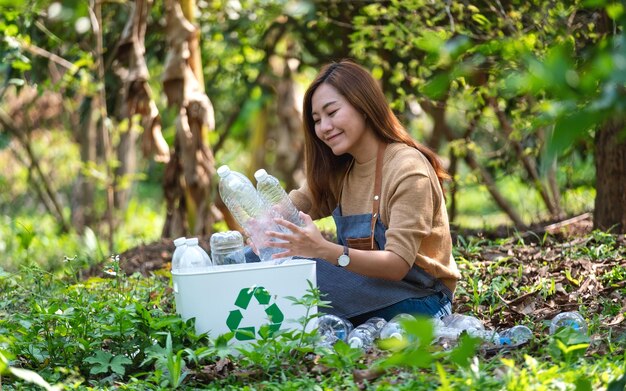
x=344, y=259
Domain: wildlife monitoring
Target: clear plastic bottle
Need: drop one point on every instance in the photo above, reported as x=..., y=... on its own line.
x=393, y=328
x=364, y=335
x=181, y=246
x=516, y=335
x=332, y=328
x=462, y=322
x=273, y=194
x=447, y=333
x=489, y=336
x=194, y=258
x=572, y=319
x=227, y=248
x=249, y=209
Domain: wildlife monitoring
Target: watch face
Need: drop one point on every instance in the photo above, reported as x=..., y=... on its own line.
x=343, y=260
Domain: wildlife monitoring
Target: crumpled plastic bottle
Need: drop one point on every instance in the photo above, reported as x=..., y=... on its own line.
x=227, y=248
x=571, y=319
x=491, y=337
x=393, y=328
x=462, y=322
x=364, y=335
x=447, y=332
x=332, y=328
x=516, y=335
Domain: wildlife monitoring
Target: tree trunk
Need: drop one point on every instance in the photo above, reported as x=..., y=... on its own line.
x=610, y=154
x=136, y=99
x=288, y=131
x=83, y=192
x=187, y=181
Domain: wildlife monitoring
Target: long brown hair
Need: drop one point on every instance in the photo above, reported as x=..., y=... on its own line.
x=324, y=169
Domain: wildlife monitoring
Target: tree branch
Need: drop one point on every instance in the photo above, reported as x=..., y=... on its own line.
x=51, y=202
x=527, y=163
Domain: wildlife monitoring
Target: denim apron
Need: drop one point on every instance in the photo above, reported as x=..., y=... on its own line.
x=352, y=294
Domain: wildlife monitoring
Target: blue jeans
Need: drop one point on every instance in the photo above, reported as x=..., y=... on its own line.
x=436, y=305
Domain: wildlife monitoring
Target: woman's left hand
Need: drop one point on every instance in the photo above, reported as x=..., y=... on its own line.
x=306, y=241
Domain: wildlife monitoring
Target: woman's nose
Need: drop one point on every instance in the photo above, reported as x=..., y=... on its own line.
x=325, y=125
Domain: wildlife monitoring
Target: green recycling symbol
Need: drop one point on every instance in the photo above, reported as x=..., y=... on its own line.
x=262, y=297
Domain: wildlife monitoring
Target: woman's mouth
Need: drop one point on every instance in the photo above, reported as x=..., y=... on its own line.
x=329, y=138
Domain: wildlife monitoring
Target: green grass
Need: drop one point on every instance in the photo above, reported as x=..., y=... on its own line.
x=122, y=332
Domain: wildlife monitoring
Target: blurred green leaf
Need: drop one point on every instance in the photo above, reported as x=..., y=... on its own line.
x=569, y=128
x=5, y=139
x=437, y=86
x=33, y=377
x=465, y=350
x=617, y=385
x=615, y=10
x=25, y=235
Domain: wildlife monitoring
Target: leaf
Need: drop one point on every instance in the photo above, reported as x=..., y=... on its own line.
x=101, y=360
x=25, y=235
x=419, y=329
x=118, y=362
x=32, y=377
x=5, y=140
x=569, y=129
x=465, y=350
x=437, y=86
x=481, y=20
x=617, y=385
x=430, y=42
x=583, y=384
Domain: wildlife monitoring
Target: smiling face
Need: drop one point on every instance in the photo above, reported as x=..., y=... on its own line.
x=340, y=125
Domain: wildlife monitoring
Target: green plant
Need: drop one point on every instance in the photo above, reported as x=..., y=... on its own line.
x=168, y=362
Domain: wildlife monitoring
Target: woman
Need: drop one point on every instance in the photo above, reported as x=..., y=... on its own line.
x=384, y=191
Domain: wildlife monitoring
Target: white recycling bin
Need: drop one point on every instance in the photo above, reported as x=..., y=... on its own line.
x=244, y=297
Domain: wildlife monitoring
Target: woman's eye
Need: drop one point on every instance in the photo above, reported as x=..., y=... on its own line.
x=316, y=121
x=332, y=113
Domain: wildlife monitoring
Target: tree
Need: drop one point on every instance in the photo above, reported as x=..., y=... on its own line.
x=485, y=67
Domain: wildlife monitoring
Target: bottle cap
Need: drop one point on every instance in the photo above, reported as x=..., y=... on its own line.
x=260, y=174
x=192, y=241
x=180, y=241
x=223, y=171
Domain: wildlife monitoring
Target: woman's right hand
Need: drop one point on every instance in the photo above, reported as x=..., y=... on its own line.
x=306, y=241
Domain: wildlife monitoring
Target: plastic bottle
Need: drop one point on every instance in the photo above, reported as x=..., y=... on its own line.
x=571, y=319
x=332, y=328
x=194, y=258
x=516, y=335
x=363, y=335
x=447, y=332
x=393, y=328
x=462, y=322
x=181, y=246
x=437, y=323
x=227, y=248
x=490, y=336
x=249, y=209
x=273, y=194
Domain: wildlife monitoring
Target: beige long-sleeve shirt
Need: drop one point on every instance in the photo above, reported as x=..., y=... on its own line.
x=412, y=208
